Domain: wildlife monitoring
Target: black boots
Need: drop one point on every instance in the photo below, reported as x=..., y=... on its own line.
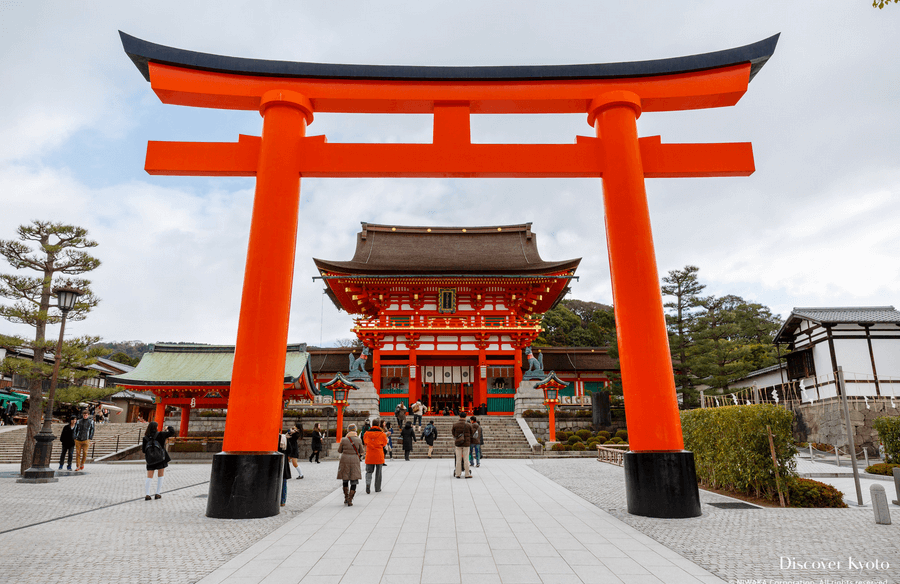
x=350, y=498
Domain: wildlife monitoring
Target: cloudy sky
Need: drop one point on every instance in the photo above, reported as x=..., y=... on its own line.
x=816, y=225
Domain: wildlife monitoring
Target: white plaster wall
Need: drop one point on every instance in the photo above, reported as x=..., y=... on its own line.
x=887, y=356
x=765, y=379
x=853, y=356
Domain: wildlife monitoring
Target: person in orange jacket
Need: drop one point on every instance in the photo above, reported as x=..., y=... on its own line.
x=375, y=440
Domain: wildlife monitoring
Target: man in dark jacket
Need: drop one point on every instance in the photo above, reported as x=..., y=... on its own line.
x=462, y=439
x=477, y=439
x=67, y=441
x=83, y=434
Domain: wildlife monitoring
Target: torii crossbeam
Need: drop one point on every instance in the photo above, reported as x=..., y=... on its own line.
x=660, y=478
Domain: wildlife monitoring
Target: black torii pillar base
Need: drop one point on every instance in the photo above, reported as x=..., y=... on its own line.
x=662, y=484
x=245, y=485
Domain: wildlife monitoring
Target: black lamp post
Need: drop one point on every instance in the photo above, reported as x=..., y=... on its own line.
x=41, y=471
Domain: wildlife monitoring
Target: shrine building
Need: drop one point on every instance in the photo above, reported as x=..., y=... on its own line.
x=446, y=312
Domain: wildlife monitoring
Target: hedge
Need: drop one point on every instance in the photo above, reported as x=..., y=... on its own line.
x=810, y=493
x=888, y=428
x=882, y=469
x=731, y=447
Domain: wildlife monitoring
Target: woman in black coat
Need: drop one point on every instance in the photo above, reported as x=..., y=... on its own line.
x=409, y=436
x=159, y=467
x=285, y=449
x=316, y=443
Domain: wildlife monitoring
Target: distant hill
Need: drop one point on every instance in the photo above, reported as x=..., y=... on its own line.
x=134, y=349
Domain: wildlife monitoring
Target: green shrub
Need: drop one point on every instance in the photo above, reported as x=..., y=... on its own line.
x=568, y=447
x=609, y=442
x=617, y=440
x=535, y=414
x=583, y=434
x=592, y=442
x=731, y=447
x=573, y=439
x=810, y=493
x=579, y=446
x=882, y=469
x=561, y=437
x=558, y=447
x=604, y=434
x=623, y=434
x=888, y=428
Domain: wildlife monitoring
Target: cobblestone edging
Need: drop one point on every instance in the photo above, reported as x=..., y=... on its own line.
x=756, y=544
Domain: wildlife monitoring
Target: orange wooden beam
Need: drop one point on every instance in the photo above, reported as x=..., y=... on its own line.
x=682, y=91
x=453, y=159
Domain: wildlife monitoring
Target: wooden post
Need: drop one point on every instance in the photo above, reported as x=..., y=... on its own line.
x=775, y=463
x=850, y=441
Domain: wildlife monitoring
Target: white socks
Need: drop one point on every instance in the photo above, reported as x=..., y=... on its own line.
x=159, y=484
x=147, y=486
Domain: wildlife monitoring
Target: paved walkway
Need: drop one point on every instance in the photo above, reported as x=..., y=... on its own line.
x=517, y=521
x=508, y=524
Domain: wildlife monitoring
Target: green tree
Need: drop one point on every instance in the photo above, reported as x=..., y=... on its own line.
x=124, y=359
x=59, y=254
x=685, y=287
x=882, y=3
x=732, y=337
x=577, y=323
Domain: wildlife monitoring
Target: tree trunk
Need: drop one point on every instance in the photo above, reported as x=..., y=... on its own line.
x=35, y=393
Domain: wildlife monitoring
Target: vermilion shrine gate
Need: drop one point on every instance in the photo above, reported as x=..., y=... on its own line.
x=660, y=479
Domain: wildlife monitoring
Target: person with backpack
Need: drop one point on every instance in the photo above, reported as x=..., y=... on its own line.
x=417, y=411
x=154, y=448
x=409, y=436
x=429, y=435
x=462, y=439
x=475, y=446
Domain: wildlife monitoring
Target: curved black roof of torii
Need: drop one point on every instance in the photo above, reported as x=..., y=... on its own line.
x=143, y=52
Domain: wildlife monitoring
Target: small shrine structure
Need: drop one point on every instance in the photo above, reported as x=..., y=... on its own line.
x=194, y=377
x=447, y=311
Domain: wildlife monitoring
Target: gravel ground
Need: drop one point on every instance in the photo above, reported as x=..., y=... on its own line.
x=771, y=544
x=97, y=527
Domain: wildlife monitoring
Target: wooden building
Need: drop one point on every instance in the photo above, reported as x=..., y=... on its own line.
x=447, y=311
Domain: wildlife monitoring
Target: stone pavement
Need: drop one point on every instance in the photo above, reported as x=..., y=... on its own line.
x=519, y=521
x=98, y=528
x=507, y=525
x=748, y=544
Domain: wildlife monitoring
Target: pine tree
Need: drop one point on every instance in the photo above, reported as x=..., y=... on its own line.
x=58, y=256
x=686, y=288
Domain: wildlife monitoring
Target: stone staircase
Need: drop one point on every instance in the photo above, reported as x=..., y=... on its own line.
x=108, y=438
x=502, y=438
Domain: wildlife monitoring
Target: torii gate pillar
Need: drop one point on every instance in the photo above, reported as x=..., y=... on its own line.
x=660, y=476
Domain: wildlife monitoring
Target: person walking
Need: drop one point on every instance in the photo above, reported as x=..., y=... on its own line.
x=389, y=432
x=400, y=414
x=294, y=435
x=83, y=432
x=348, y=467
x=462, y=439
x=316, y=443
x=285, y=449
x=157, y=457
x=429, y=435
x=417, y=411
x=375, y=441
x=362, y=433
x=409, y=436
x=475, y=446
x=67, y=442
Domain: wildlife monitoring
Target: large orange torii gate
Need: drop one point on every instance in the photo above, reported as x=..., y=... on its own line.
x=660, y=478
